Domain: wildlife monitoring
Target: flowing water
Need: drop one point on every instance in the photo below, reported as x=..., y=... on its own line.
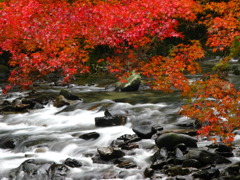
x=43, y=134
x=47, y=134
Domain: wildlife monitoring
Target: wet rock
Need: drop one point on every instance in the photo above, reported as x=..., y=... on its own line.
x=115, y=120
x=160, y=154
x=58, y=172
x=71, y=107
x=158, y=164
x=224, y=150
x=207, y=174
x=7, y=142
x=170, y=140
x=205, y=157
x=123, y=174
x=126, y=164
x=174, y=171
x=66, y=94
x=181, y=146
x=72, y=163
x=157, y=127
x=108, y=153
x=132, y=83
x=233, y=170
x=144, y=131
x=148, y=172
x=32, y=169
x=191, y=163
x=129, y=146
x=125, y=140
x=60, y=101
x=91, y=135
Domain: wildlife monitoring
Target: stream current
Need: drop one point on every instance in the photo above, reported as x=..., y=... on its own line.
x=46, y=134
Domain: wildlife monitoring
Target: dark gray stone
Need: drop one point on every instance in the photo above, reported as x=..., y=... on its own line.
x=207, y=174
x=32, y=169
x=144, y=131
x=191, y=163
x=108, y=153
x=116, y=120
x=72, y=163
x=171, y=140
x=205, y=157
x=58, y=172
x=91, y=135
x=68, y=95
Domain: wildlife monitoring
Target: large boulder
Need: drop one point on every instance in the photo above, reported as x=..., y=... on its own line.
x=171, y=140
x=132, y=83
x=206, y=157
x=39, y=169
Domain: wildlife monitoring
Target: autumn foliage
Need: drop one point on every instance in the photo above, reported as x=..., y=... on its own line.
x=58, y=36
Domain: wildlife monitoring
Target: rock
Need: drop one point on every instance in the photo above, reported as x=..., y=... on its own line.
x=224, y=150
x=91, y=135
x=159, y=164
x=108, y=153
x=72, y=163
x=157, y=127
x=58, y=172
x=32, y=104
x=66, y=94
x=148, y=172
x=233, y=170
x=126, y=164
x=132, y=83
x=205, y=157
x=144, y=131
x=125, y=140
x=170, y=140
x=191, y=163
x=123, y=174
x=174, y=171
x=7, y=142
x=207, y=174
x=181, y=146
x=32, y=169
x=115, y=120
x=129, y=146
x=160, y=154
x=60, y=101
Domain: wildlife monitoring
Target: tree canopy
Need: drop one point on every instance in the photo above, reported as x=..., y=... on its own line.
x=160, y=39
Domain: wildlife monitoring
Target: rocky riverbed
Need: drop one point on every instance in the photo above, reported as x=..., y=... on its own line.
x=88, y=132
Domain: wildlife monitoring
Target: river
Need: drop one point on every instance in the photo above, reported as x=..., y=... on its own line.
x=49, y=135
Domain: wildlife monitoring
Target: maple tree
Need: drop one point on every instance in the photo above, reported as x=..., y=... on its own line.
x=59, y=36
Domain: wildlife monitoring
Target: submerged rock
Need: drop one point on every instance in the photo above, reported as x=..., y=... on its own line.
x=7, y=142
x=170, y=140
